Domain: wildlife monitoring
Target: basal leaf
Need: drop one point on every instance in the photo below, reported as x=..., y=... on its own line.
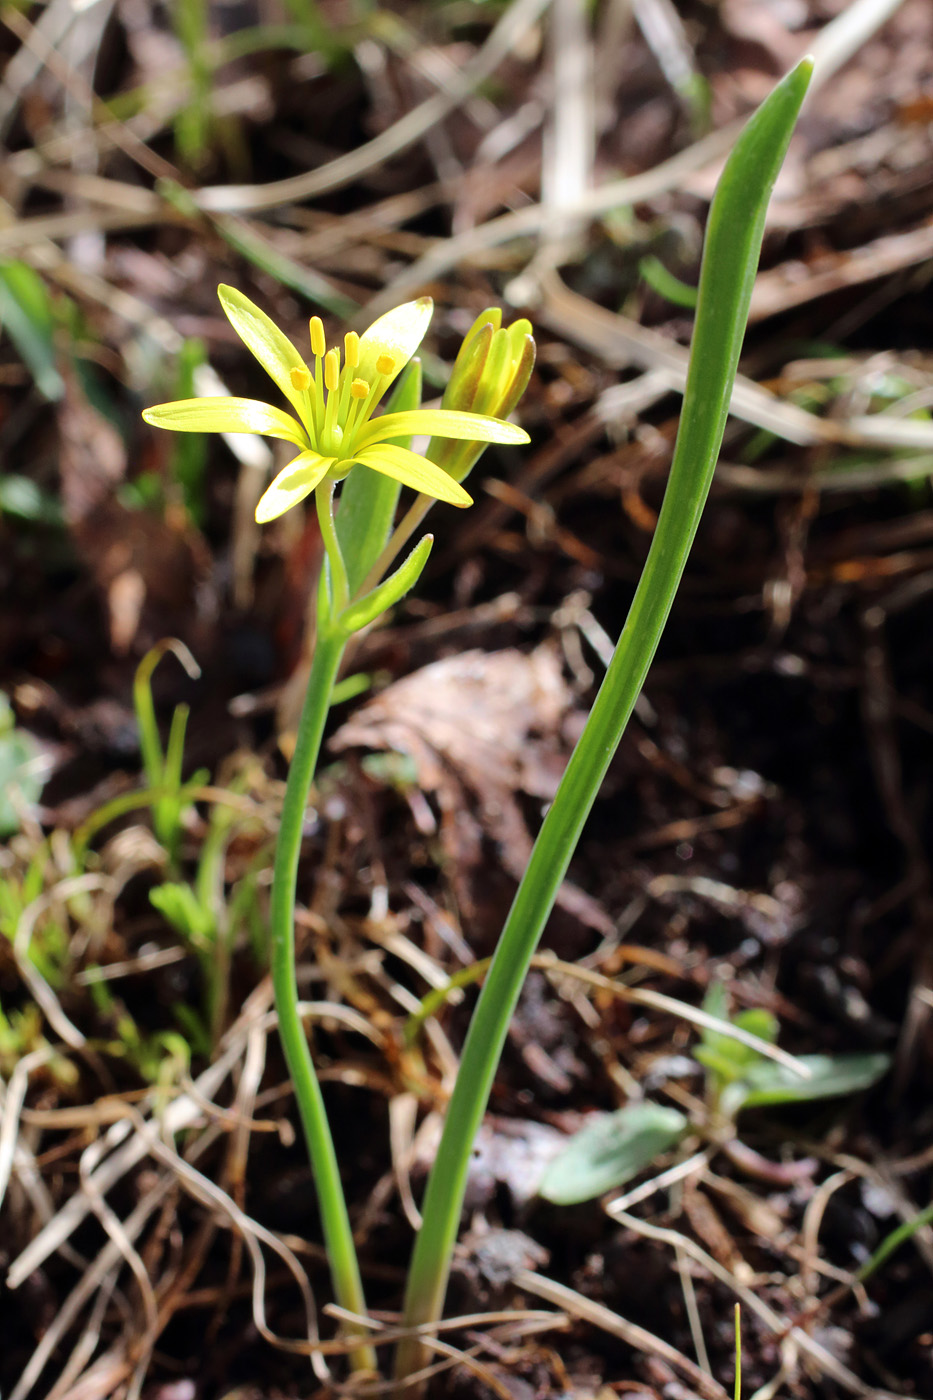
x=767, y=1083
x=610, y=1151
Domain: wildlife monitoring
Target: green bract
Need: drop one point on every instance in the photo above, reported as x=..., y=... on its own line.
x=333, y=425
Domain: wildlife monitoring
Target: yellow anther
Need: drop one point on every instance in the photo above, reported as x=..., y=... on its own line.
x=385, y=364
x=301, y=378
x=351, y=347
x=359, y=389
x=318, y=343
x=332, y=369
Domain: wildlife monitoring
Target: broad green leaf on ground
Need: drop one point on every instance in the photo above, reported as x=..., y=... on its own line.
x=610, y=1151
x=768, y=1083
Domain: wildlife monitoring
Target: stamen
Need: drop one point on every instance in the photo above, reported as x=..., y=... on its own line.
x=318, y=343
x=332, y=381
x=359, y=391
x=301, y=378
x=385, y=364
x=332, y=370
x=351, y=349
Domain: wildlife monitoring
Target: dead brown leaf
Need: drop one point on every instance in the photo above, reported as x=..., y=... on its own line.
x=484, y=730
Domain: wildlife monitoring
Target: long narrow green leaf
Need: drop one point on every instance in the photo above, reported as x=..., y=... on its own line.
x=733, y=243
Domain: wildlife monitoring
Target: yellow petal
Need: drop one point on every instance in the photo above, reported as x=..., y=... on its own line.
x=272, y=347
x=227, y=415
x=439, y=422
x=412, y=470
x=292, y=484
x=397, y=335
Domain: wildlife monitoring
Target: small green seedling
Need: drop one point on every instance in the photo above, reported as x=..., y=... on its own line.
x=615, y=1147
x=170, y=796
x=21, y=771
x=162, y=1058
x=204, y=919
x=662, y=281
x=194, y=121
x=48, y=946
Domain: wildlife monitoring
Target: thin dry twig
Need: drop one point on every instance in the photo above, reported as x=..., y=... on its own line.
x=547, y=962
x=516, y=21
x=822, y=1358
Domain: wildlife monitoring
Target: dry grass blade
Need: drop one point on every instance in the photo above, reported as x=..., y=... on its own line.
x=12, y=1099
x=70, y=1385
x=44, y=996
x=819, y=1355
x=620, y=341
x=107, y=1262
x=834, y=46
x=810, y=1234
x=775, y=292
x=516, y=21
x=679, y=1172
x=381, y=1335
x=51, y=31
x=403, y=1117
x=114, y=1229
x=384, y=1333
x=181, y=1113
x=569, y=139
x=629, y=1332
x=37, y=43
x=253, y=1234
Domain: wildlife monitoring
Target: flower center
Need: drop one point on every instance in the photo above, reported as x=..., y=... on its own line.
x=338, y=402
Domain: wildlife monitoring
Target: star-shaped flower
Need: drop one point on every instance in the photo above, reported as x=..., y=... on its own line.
x=333, y=425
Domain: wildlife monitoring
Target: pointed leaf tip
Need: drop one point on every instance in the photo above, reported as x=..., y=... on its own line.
x=365, y=610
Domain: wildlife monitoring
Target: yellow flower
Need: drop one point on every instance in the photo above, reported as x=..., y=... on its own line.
x=333, y=425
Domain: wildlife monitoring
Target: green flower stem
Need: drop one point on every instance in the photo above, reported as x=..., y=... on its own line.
x=338, y=1236
x=733, y=242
